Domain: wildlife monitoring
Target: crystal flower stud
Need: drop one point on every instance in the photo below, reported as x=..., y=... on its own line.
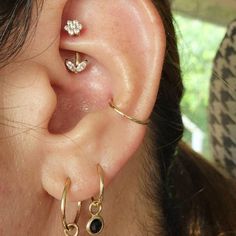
x=76, y=66
x=73, y=27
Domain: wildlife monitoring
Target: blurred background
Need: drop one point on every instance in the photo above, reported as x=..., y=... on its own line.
x=201, y=26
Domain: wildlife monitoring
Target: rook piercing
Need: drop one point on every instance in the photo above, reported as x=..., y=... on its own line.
x=96, y=223
x=117, y=110
x=77, y=66
x=71, y=229
x=73, y=27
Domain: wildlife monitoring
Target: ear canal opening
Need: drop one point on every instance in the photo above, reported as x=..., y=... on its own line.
x=67, y=113
x=79, y=93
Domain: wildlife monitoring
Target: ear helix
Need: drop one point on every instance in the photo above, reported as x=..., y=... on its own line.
x=73, y=28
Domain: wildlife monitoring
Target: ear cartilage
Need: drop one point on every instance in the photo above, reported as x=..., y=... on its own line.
x=73, y=27
x=77, y=66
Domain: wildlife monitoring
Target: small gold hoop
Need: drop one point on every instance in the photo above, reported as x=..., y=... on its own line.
x=117, y=110
x=100, y=198
x=63, y=206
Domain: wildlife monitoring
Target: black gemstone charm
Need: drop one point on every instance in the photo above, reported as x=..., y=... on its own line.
x=95, y=225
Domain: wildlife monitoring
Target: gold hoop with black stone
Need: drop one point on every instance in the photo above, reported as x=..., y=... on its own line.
x=95, y=224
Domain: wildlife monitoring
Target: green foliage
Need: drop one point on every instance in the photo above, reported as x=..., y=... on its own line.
x=198, y=42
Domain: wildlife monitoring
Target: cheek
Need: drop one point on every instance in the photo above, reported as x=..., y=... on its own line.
x=26, y=103
x=27, y=100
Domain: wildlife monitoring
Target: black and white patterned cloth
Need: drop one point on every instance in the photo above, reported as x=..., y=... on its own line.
x=222, y=103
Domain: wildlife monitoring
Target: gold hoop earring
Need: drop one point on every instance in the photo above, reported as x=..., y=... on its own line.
x=117, y=110
x=95, y=224
x=71, y=229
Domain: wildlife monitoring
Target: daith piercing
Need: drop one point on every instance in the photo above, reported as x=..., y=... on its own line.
x=76, y=66
x=73, y=27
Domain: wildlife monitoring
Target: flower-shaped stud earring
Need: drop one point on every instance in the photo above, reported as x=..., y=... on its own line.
x=73, y=27
x=76, y=66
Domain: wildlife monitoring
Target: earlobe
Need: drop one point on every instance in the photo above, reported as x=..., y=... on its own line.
x=125, y=45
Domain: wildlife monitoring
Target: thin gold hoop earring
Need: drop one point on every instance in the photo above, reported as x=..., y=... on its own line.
x=76, y=66
x=71, y=229
x=117, y=110
x=95, y=224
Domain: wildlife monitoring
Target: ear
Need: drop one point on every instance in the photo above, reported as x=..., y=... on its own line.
x=124, y=42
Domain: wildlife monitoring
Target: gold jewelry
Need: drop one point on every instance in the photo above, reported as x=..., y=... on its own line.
x=95, y=224
x=73, y=27
x=71, y=229
x=117, y=110
x=77, y=66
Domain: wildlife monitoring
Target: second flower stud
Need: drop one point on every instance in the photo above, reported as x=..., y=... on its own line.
x=76, y=66
x=73, y=27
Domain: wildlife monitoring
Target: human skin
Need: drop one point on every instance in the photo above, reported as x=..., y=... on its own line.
x=57, y=125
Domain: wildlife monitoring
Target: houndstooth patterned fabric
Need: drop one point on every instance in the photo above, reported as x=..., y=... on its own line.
x=222, y=104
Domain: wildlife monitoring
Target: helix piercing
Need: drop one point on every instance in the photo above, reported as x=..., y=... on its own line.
x=71, y=229
x=73, y=27
x=95, y=224
x=117, y=110
x=77, y=66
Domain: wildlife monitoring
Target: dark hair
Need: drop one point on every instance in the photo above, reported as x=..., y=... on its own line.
x=196, y=199
x=15, y=22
